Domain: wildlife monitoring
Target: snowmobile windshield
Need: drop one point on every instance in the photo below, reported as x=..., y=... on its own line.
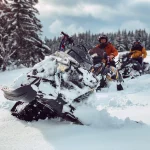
x=81, y=56
x=82, y=53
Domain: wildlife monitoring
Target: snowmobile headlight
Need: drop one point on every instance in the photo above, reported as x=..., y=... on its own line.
x=62, y=67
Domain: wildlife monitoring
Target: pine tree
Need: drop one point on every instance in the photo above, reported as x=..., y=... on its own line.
x=6, y=42
x=25, y=31
x=121, y=40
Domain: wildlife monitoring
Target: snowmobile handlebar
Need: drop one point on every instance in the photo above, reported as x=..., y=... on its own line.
x=131, y=53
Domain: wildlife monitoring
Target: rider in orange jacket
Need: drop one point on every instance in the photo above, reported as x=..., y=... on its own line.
x=104, y=49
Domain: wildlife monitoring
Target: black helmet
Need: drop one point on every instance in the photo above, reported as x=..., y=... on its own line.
x=103, y=37
x=137, y=41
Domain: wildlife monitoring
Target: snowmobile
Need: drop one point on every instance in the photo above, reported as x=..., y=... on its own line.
x=54, y=87
x=130, y=67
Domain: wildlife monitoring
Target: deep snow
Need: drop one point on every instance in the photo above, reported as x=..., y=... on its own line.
x=106, y=129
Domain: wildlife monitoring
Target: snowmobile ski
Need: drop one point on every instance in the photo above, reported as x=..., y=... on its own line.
x=24, y=93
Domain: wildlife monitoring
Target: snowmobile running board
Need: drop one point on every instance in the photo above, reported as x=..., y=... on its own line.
x=24, y=93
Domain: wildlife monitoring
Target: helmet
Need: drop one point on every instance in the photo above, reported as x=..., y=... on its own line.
x=137, y=41
x=103, y=37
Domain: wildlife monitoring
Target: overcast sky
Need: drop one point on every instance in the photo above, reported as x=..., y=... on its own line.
x=74, y=16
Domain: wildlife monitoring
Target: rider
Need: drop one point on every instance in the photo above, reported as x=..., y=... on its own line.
x=66, y=40
x=105, y=50
x=138, y=52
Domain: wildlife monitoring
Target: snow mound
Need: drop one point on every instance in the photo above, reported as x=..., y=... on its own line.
x=122, y=102
x=102, y=119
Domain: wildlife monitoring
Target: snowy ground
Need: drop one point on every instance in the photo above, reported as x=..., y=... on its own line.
x=110, y=128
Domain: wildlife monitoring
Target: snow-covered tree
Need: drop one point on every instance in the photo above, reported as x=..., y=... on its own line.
x=119, y=44
x=25, y=29
x=122, y=40
x=6, y=41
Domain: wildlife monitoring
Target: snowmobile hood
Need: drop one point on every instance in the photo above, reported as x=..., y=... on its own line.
x=64, y=58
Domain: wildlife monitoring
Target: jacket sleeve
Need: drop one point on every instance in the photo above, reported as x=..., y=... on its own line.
x=144, y=53
x=114, y=51
x=93, y=50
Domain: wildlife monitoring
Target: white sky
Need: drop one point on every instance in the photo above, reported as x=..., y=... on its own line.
x=97, y=15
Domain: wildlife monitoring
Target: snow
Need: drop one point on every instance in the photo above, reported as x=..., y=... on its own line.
x=109, y=127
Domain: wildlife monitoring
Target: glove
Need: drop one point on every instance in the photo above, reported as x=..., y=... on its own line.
x=111, y=57
x=105, y=55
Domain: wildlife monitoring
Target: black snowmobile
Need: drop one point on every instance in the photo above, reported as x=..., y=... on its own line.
x=41, y=93
x=130, y=67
